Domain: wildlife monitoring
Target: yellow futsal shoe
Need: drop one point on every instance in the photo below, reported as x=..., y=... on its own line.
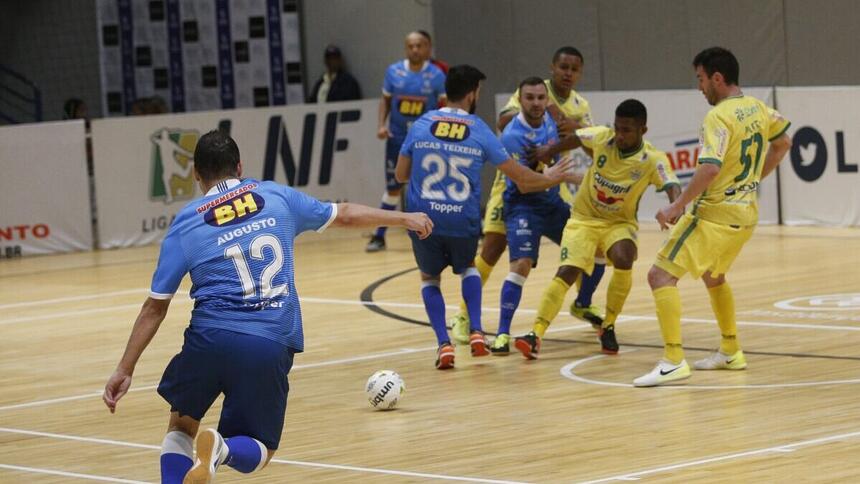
x=721, y=361
x=460, y=328
x=664, y=372
x=501, y=345
x=589, y=314
x=211, y=452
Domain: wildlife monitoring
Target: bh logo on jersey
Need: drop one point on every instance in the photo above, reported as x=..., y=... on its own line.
x=172, y=163
x=411, y=105
x=234, y=210
x=450, y=130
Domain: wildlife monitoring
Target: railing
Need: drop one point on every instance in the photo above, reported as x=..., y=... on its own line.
x=20, y=99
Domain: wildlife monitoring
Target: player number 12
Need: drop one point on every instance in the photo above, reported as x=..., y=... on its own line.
x=249, y=289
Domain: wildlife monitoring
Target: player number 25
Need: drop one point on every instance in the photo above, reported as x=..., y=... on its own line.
x=438, y=169
x=249, y=289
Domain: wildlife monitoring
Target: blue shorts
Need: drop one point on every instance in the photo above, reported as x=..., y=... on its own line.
x=437, y=252
x=392, y=151
x=251, y=372
x=525, y=224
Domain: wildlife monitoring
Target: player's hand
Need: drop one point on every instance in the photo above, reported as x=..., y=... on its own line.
x=559, y=171
x=419, y=223
x=537, y=154
x=116, y=386
x=574, y=177
x=669, y=215
x=383, y=133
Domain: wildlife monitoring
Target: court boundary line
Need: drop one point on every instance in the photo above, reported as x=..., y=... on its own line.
x=725, y=457
x=319, y=465
x=91, y=477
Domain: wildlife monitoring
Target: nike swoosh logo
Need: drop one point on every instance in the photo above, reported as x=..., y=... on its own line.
x=730, y=362
x=664, y=373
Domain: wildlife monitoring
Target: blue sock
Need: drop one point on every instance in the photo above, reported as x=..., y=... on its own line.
x=245, y=454
x=176, y=452
x=434, y=303
x=512, y=290
x=388, y=203
x=471, y=289
x=589, y=284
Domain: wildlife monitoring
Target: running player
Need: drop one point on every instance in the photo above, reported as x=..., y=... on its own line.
x=237, y=244
x=742, y=141
x=570, y=111
x=528, y=216
x=411, y=87
x=449, y=147
x=604, y=218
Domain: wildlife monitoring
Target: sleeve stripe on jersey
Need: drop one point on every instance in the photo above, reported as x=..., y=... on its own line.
x=781, y=132
x=330, y=218
x=158, y=295
x=712, y=161
x=667, y=186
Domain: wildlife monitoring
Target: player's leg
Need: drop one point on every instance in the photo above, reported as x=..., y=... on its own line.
x=582, y=307
x=512, y=291
x=622, y=254
x=255, y=377
x=462, y=251
x=391, y=197
x=190, y=384
x=432, y=259
x=491, y=250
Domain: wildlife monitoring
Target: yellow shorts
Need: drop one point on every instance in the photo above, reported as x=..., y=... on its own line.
x=582, y=238
x=494, y=220
x=698, y=246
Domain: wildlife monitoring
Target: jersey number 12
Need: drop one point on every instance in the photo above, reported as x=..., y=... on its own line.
x=249, y=288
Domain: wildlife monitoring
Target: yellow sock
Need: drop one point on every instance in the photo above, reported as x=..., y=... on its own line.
x=550, y=304
x=668, y=301
x=616, y=294
x=723, y=304
x=484, y=269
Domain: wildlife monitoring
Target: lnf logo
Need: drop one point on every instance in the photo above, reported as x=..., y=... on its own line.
x=809, y=154
x=278, y=143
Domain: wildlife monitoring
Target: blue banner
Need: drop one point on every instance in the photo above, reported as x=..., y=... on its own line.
x=225, y=54
x=276, y=52
x=129, y=90
x=174, y=49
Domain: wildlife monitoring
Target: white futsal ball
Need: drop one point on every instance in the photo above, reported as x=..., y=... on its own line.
x=384, y=389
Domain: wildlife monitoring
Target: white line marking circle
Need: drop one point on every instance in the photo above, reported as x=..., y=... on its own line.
x=827, y=302
x=567, y=372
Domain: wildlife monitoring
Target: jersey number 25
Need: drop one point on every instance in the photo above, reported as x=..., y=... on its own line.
x=437, y=170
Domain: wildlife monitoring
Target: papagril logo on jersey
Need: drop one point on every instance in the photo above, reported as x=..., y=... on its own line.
x=172, y=162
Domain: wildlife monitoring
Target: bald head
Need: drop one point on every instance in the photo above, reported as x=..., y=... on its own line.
x=417, y=48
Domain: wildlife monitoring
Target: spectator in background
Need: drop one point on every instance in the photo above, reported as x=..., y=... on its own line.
x=336, y=84
x=438, y=63
x=75, y=108
x=149, y=105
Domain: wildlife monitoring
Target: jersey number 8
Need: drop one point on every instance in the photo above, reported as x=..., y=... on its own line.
x=438, y=170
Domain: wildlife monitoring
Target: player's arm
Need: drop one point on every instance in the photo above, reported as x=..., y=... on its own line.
x=149, y=319
x=673, y=191
x=537, y=154
x=384, y=110
x=355, y=215
x=403, y=169
x=505, y=117
x=531, y=181
x=702, y=178
x=775, y=153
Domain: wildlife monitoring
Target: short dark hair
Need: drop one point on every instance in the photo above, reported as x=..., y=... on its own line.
x=531, y=81
x=461, y=80
x=567, y=50
x=425, y=34
x=216, y=156
x=632, y=108
x=718, y=59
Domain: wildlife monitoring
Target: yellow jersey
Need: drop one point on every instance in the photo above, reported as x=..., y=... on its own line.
x=615, y=183
x=574, y=106
x=735, y=136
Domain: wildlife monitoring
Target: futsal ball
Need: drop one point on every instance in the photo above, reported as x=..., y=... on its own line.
x=384, y=389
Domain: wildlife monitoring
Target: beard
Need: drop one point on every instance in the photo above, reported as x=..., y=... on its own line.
x=473, y=107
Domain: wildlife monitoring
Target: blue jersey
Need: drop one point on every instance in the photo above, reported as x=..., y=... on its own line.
x=412, y=94
x=516, y=138
x=448, y=148
x=237, y=243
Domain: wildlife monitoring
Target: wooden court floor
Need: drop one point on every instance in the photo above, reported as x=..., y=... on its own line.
x=570, y=416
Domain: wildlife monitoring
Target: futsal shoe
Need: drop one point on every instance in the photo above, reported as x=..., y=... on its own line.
x=608, y=343
x=501, y=345
x=721, y=361
x=211, y=452
x=528, y=345
x=664, y=372
x=460, y=328
x=589, y=314
x=376, y=244
x=478, y=343
x=445, y=357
